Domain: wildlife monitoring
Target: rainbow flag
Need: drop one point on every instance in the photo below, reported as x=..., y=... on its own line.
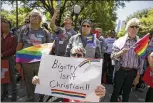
x=141, y=46
x=68, y=93
x=33, y=53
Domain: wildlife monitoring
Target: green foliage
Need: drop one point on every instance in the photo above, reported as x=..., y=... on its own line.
x=146, y=18
x=103, y=13
x=121, y=32
x=11, y=15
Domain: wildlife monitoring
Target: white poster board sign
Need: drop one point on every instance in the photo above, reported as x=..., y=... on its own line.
x=72, y=78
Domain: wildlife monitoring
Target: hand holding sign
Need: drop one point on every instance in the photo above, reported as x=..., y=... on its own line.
x=100, y=90
x=67, y=79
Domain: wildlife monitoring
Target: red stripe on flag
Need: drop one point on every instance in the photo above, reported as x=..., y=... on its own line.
x=67, y=91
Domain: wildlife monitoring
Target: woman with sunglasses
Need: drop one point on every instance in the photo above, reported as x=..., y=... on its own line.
x=128, y=65
x=82, y=45
x=85, y=44
x=85, y=39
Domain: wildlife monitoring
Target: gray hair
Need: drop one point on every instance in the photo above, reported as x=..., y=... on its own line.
x=36, y=11
x=133, y=21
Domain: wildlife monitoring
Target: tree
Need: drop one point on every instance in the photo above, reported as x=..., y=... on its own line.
x=102, y=14
x=146, y=18
x=121, y=33
x=11, y=15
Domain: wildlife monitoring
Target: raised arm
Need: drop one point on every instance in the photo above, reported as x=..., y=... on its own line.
x=52, y=23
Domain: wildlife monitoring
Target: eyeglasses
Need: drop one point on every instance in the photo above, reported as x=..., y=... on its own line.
x=88, y=26
x=134, y=26
x=34, y=16
x=78, y=55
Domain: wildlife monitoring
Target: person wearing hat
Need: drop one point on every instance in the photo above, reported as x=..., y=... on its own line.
x=62, y=34
x=128, y=65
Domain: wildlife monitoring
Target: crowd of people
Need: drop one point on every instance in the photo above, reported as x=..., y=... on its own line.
x=121, y=67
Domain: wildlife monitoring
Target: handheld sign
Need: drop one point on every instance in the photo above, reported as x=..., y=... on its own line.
x=72, y=78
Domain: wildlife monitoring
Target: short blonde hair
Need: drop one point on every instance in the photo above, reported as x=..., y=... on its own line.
x=133, y=21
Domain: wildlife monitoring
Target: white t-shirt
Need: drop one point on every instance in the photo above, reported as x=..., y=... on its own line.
x=109, y=43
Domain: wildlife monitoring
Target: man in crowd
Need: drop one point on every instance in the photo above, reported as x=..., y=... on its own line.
x=108, y=67
x=102, y=40
x=128, y=65
x=62, y=34
x=32, y=35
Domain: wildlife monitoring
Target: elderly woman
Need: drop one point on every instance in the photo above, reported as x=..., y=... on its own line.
x=84, y=40
x=86, y=45
x=128, y=65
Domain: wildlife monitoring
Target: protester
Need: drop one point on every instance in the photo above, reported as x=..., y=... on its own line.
x=149, y=94
x=102, y=41
x=8, y=50
x=86, y=40
x=128, y=65
x=32, y=35
x=100, y=90
x=62, y=34
x=85, y=45
x=108, y=67
x=148, y=75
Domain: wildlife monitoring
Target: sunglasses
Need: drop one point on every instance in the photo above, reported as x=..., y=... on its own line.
x=134, y=26
x=78, y=55
x=88, y=26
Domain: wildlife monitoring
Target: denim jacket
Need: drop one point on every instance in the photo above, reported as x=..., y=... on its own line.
x=92, y=51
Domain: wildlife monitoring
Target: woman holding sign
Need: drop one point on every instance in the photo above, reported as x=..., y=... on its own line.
x=85, y=44
x=82, y=45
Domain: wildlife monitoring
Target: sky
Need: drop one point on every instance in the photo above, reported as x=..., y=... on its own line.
x=131, y=7
x=122, y=13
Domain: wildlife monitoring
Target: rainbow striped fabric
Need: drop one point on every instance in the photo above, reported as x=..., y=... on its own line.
x=141, y=46
x=68, y=93
x=33, y=53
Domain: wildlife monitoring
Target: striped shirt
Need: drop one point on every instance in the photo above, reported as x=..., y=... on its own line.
x=130, y=59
